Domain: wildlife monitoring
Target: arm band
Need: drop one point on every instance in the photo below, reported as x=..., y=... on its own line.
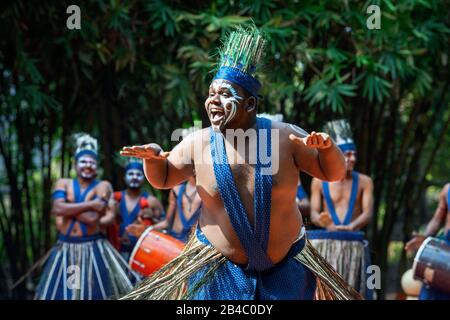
x=59, y=194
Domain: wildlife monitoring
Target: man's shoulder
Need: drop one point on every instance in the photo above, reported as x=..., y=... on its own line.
x=151, y=197
x=63, y=182
x=104, y=183
x=316, y=182
x=447, y=187
x=197, y=136
x=176, y=189
x=277, y=125
x=289, y=128
x=365, y=179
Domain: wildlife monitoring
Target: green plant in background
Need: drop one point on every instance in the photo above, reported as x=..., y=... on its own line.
x=137, y=70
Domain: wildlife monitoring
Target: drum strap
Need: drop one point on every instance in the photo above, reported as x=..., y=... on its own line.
x=80, y=197
x=351, y=205
x=253, y=239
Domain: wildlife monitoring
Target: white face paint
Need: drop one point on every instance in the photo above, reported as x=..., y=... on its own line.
x=86, y=167
x=134, y=178
x=220, y=114
x=350, y=160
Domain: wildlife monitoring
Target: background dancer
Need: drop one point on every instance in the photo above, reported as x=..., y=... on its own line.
x=345, y=208
x=83, y=265
x=133, y=207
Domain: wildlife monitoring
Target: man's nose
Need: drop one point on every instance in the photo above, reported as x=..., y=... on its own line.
x=215, y=99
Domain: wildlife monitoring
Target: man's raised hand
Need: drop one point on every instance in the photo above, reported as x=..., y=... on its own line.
x=318, y=140
x=147, y=151
x=415, y=242
x=324, y=219
x=136, y=229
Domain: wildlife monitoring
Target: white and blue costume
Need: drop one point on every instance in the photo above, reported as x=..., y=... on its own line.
x=84, y=267
x=347, y=251
x=260, y=279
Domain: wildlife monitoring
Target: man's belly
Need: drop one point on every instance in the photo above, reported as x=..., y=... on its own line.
x=63, y=228
x=341, y=212
x=217, y=228
x=177, y=225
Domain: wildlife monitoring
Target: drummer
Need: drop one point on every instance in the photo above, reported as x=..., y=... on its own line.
x=134, y=206
x=441, y=217
x=343, y=208
x=183, y=211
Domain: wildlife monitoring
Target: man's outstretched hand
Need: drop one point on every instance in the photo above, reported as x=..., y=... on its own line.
x=318, y=140
x=146, y=151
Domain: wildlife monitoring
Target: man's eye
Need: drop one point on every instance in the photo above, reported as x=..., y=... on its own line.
x=211, y=94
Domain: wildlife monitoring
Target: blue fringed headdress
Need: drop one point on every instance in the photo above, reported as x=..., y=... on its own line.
x=81, y=153
x=86, y=145
x=134, y=164
x=341, y=132
x=239, y=58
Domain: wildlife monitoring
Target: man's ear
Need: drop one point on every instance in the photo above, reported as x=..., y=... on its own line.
x=251, y=104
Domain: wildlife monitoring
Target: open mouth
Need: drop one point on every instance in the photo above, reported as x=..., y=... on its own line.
x=216, y=114
x=87, y=171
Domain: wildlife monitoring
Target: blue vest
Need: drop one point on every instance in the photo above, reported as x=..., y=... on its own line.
x=259, y=279
x=80, y=197
x=187, y=224
x=351, y=205
x=254, y=239
x=129, y=217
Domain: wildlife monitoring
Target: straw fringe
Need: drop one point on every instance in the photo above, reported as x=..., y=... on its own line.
x=347, y=258
x=330, y=285
x=170, y=282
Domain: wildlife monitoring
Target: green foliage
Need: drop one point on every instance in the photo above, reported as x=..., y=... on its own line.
x=139, y=69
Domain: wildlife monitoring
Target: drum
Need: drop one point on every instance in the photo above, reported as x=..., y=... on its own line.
x=410, y=286
x=432, y=264
x=153, y=250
